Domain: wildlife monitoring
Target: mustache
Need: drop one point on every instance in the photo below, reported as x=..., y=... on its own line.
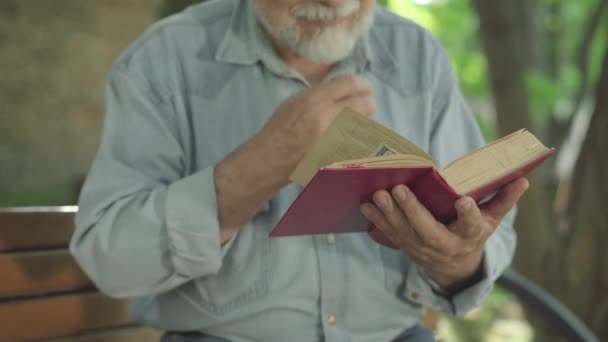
x=321, y=11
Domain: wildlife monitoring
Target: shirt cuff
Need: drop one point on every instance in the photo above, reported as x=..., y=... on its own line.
x=421, y=289
x=193, y=227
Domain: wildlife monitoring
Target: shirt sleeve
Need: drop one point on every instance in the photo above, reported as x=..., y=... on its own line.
x=498, y=254
x=453, y=135
x=143, y=225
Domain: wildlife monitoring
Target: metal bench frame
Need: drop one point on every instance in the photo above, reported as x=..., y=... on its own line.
x=538, y=299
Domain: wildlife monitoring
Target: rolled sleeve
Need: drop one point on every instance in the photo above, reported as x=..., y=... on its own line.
x=192, y=224
x=433, y=296
x=145, y=225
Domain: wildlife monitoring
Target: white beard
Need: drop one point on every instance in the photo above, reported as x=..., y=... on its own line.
x=328, y=45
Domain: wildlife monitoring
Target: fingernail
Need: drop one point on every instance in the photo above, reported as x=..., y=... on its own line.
x=380, y=200
x=526, y=184
x=464, y=203
x=364, y=209
x=367, y=210
x=400, y=192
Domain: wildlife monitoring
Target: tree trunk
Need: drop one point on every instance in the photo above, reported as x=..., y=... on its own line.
x=571, y=265
x=584, y=287
x=505, y=33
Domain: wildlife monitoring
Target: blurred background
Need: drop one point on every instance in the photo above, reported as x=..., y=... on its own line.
x=538, y=64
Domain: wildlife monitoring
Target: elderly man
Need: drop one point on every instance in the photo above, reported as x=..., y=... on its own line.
x=207, y=115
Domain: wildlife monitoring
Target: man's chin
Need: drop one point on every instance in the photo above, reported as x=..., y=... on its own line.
x=310, y=29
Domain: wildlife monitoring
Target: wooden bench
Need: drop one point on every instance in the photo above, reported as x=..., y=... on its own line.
x=44, y=296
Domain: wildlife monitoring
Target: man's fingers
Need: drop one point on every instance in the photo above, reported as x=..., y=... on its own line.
x=343, y=87
x=391, y=211
x=375, y=216
x=504, y=200
x=469, y=218
x=420, y=219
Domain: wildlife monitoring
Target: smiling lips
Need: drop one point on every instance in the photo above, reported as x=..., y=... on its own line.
x=324, y=22
x=322, y=15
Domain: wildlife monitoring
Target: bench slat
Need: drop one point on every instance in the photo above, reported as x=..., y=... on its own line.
x=135, y=334
x=59, y=316
x=39, y=272
x=29, y=229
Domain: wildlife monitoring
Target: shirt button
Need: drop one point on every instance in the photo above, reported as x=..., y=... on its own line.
x=331, y=320
x=331, y=239
x=415, y=296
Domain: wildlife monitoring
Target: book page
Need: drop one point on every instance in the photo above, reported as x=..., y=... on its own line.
x=385, y=160
x=352, y=136
x=492, y=161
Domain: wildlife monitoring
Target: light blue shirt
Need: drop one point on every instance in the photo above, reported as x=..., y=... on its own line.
x=180, y=99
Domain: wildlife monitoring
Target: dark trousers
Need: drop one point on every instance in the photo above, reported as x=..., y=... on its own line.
x=417, y=333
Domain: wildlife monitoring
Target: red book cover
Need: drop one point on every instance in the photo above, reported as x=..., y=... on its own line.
x=330, y=202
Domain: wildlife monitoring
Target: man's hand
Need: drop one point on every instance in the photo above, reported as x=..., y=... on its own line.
x=301, y=119
x=452, y=254
x=257, y=169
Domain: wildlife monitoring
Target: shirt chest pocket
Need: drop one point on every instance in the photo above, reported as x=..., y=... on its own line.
x=244, y=276
x=409, y=116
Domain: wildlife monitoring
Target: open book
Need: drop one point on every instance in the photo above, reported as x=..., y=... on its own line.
x=357, y=156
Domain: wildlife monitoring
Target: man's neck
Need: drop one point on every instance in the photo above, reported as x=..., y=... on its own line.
x=313, y=72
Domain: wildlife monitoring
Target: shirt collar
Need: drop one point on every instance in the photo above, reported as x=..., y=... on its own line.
x=243, y=43
x=239, y=43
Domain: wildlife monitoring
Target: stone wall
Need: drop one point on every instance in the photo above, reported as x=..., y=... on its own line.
x=54, y=59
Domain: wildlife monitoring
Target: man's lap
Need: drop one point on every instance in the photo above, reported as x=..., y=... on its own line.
x=417, y=333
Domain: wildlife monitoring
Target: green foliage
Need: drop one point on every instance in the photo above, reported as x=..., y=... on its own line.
x=486, y=128
x=598, y=47
x=455, y=25
x=569, y=23
x=560, y=25
x=543, y=96
x=500, y=318
x=383, y=3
